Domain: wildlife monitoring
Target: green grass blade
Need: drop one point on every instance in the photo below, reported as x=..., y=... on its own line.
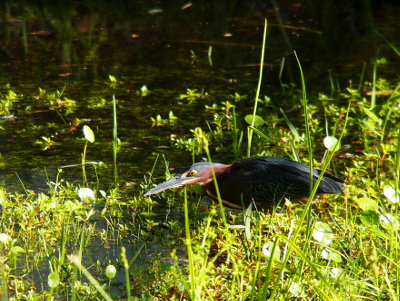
x=327, y=291
x=115, y=140
x=76, y=260
x=250, y=133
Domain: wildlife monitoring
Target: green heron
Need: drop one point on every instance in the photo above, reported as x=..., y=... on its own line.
x=263, y=180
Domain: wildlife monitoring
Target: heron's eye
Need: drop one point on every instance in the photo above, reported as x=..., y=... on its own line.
x=192, y=173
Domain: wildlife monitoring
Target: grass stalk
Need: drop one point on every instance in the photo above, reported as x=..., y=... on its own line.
x=74, y=293
x=81, y=245
x=391, y=45
x=3, y=281
x=85, y=181
x=249, y=131
x=235, y=136
x=309, y=148
x=306, y=121
x=373, y=92
x=397, y=165
x=256, y=271
x=22, y=183
x=393, y=98
x=362, y=77
x=115, y=141
x=268, y=271
x=221, y=206
x=126, y=267
x=188, y=243
x=137, y=253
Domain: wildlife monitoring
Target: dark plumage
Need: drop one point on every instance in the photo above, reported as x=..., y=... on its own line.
x=262, y=180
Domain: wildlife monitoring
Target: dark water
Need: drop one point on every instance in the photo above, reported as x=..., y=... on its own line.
x=164, y=46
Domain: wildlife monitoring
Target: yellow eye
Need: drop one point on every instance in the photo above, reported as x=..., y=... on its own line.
x=192, y=173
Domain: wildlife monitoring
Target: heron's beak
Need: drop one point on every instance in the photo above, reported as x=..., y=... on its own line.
x=175, y=182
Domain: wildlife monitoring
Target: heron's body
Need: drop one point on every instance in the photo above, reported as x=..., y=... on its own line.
x=263, y=180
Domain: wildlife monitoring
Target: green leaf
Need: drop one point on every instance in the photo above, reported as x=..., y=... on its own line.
x=367, y=204
x=371, y=114
x=166, y=266
x=148, y=214
x=260, y=133
x=258, y=121
x=53, y=280
x=292, y=128
x=331, y=143
x=369, y=218
x=16, y=250
x=371, y=127
x=88, y=133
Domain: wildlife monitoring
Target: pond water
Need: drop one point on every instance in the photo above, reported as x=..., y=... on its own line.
x=168, y=47
x=163, y=46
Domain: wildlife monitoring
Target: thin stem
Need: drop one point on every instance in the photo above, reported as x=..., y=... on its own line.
x=115, y=140
x=250, y=132
x=83, y=164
